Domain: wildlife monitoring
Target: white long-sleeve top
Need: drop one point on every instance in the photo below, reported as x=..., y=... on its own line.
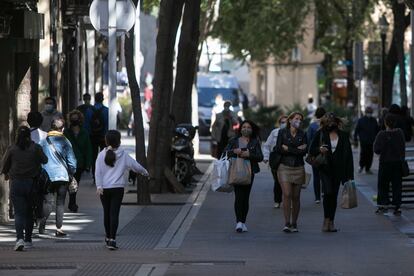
x=113, y=177
x=270, y=143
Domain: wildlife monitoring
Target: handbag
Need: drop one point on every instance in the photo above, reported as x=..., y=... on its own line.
x=405, y=169
x=240, y=172
x=318, y=160
x=73, y=184
x=349, y=195
x=220, y=176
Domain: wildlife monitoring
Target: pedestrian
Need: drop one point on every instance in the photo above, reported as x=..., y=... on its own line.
x=291, y=145
x=35, y=119
x=331, y=141
x=312, y=129
x=87, y=110
x=49, y=113
x=311, y=108
x=267, y=148
x=223, y=128
x=99, y=127
x=390, y=145
x=60, y=167
x=111, y=164
x=82, y=148
x=366, y=130
x=21, y=164
x=245, y=145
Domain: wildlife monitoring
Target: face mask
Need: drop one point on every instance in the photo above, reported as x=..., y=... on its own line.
x=282, y=125
x=75, y=123
x=226, y=108
x=246, y=132
x=49, y=107
x=296, y=124
x=332, y=127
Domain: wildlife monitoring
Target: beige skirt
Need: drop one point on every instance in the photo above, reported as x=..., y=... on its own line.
x=294, y=175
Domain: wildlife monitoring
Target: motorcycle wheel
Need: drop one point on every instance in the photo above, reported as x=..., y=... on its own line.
x=182, y=171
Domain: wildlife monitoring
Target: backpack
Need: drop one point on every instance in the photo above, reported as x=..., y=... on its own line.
x=97, y=123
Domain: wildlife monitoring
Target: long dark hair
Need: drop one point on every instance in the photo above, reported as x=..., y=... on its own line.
x=255, y=129
x=113, y=140
x=23, y=139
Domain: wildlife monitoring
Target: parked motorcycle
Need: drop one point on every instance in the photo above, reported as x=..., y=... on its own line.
x=182, y=151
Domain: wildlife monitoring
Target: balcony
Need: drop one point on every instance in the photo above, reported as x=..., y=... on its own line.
x=77, y=7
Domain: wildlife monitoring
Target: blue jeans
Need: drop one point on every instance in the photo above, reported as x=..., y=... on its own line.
x=21, y=196
x=57, y=194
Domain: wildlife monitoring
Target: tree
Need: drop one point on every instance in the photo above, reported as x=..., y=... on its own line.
x=339, y=24
x=143, y=192
x=186, y=62
x=395, y=55
x=161, y=124
x=261, y=29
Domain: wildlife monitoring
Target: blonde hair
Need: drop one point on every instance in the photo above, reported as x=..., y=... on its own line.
x=75, y=112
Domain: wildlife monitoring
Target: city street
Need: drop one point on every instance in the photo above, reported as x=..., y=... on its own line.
x=193, y=234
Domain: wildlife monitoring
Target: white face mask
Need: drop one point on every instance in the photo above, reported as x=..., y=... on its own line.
x=282, y=125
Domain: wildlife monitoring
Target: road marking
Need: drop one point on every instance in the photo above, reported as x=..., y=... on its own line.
x=152, y=270
x=176, y=232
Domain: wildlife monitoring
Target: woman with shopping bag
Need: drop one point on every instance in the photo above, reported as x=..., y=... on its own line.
x=245, y=153
x=333, y=144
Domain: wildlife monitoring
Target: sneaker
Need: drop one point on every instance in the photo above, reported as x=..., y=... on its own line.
x=60, y=233
x=318, y=201
x=239, y=227
x=294, y=228
x=244, y=228
x=277, y=205
x=19, y=245
x=28, y=245
x=381, y=210
x=107, y=241
x=360, y=170
x=112, y=245
x=286, y=229
x=397, y=212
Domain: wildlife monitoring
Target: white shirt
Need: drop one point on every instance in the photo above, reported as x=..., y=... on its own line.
x=334, y=144
x=270, y=143
x=113, y=177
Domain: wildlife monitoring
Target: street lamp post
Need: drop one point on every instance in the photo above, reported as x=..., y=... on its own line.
x=383, y=25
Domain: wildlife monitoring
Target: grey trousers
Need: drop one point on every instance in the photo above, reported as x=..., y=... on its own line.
x=56, y=197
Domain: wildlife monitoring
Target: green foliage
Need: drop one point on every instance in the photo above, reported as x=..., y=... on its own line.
x=264, y=117
x=262, y=28
x=126, y=105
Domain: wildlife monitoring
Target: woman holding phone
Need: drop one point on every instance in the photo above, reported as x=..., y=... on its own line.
x=339, y=166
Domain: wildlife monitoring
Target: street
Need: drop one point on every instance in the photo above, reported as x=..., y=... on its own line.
x=193, y=234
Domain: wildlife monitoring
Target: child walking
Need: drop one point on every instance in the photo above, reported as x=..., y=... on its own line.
x=111, y=164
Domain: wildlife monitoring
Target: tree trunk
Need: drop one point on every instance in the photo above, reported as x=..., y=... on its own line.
x=143, y=192
x=351, y=95
x=395, y=55
x=160, y=125
x=186, y=62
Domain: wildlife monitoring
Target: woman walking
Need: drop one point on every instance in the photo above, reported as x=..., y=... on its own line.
x=334, y=144
x=390, y=145
x=81, y=145
x=111, y=164
x=60, y=168
x=267, y=148
x=245, y=145
x=291, y=145
x=21, y=164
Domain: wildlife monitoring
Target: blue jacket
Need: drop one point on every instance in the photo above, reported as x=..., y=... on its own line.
x=54, y=168
x=312, y=129
x=105, y=114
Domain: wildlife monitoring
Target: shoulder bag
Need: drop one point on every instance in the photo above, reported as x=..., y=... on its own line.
x=318, y=160
x=73, y=184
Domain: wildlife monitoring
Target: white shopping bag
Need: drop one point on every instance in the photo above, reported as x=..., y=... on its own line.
x=220, y=175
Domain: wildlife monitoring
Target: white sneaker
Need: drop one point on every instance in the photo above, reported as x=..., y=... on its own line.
x=239, y=227
x=277, y=205
x=244, y=228
x=19, y=245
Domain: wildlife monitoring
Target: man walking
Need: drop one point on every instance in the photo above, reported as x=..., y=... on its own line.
x=49, y=114
x=366, y=130
x=87, y=110
x=222, y=129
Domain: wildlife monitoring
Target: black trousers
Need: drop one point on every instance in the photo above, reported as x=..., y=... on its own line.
x=277, y=189
x=316, y=183
x=389, y=172
x=241, y=201
x=366, y=156
x=330, y=187
x=111, y=203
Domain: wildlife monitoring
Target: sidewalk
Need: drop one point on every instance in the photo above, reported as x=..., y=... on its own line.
x=193, y=234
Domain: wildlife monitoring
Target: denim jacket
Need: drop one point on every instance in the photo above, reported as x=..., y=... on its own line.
x=54, y=168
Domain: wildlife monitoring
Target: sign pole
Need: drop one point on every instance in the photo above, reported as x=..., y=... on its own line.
x=112, y=63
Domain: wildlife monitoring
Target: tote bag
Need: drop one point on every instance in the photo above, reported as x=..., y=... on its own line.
x=240, y=172
x=349, y=195
x=220, y=176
